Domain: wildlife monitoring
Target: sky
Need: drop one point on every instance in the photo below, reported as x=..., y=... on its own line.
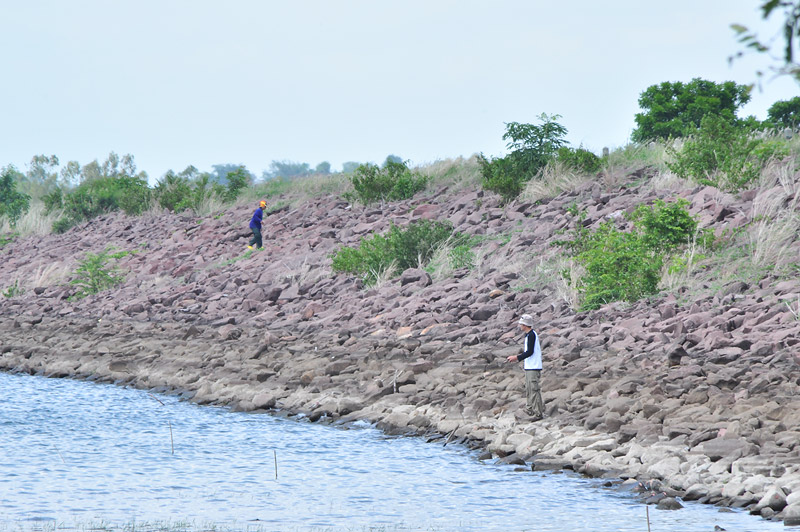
x=200, y=82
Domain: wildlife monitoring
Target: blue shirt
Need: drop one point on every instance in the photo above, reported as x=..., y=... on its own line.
x=255, y=223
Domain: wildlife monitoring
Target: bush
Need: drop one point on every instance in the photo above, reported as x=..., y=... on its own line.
x=626, y=266
x=579, y=159
x=394, y=252
x=619, y=267
x=107, y=194
x=673, y=110
x=179, y=192
x=394, y=181
x=237, y=181
x=665, y=226
x=532, y=147
x=93, y=275
x=14, y=290
x=724, y=154
x=13, y=204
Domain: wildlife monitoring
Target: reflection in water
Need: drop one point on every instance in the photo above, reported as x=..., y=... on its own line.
x=75, y=453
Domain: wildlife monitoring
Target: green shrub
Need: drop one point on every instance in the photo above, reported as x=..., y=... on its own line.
x=532, y=147
x=177, y=192
x=673, y=110
x=394, y=181
x=724, y=154
x=579, y=159
x=13, y=204
x=462, y=256
x=626, y=266
x=63, y=224
x=619, y=267
x=14, y=290
x=94, y=275
x=394, y=252
x=54, y=199
x=237, y=181
x=501, y=177
x=106, y=194
x=665, y=226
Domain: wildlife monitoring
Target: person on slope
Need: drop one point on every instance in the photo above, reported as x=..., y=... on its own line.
x=532, y=357
x=255, y=225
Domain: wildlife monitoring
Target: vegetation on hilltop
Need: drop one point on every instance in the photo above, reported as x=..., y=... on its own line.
x=692, y=134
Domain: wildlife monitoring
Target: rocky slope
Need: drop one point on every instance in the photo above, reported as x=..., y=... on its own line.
x=693, y=395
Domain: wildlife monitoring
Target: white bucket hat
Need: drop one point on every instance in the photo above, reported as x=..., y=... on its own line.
x=526, y=319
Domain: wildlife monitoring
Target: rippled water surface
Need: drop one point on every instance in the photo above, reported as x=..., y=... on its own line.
x=81, y=455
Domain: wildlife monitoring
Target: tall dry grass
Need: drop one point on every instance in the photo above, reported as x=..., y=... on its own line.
x=37, y=221
x=555, y=179
x=456, y=174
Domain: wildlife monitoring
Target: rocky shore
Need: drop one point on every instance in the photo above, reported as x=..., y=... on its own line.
x=694, y=397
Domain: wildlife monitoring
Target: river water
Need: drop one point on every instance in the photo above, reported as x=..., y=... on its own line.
x=84, y=456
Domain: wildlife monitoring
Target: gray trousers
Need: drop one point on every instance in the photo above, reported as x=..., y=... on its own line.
x=533, y=390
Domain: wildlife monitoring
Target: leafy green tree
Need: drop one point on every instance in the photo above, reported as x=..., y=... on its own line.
x=532, y=147
x=789, y=34
x=13, y=204
x=349, y=167
x=784, y=113
x=672, y=110
x=323, y=168
x=289, y=169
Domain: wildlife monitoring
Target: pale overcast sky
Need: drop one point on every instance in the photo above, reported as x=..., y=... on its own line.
x=251, y=81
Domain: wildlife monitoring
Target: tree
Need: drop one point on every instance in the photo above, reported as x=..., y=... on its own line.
x=70, y=174
x=784, y=113
x=349, y=167
x=222, y=170
x=289, y=169
x=392, y=159
x=789, y=33
x=13, y=204
x=323, y=168
x=41, y=177
x=673, y=110
x=532, y=147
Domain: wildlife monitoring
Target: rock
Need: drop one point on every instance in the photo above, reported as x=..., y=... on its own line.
x=415, y=275
x=719, y=448
x=485, y=312
x=775, y=498
x=791, y=515
x=669, y=503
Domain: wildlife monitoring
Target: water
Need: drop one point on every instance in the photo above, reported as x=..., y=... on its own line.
x=77, y=455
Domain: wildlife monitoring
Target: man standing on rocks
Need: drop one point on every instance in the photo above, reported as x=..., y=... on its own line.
x=532, y=364
x=255, y=225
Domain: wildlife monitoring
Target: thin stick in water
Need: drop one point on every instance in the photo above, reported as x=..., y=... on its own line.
x=275, y=456
x=171, y=441
x=647, y=509
x=450, y=437
x=156, y=398
x=59, y=453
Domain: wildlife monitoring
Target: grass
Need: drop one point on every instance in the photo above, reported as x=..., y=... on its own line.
x=555, y=179
x=37, y=221
x=456, y=174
